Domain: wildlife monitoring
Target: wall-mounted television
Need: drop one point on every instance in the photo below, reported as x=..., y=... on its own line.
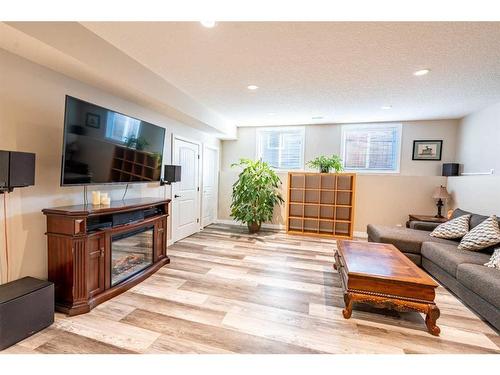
x=102, y=146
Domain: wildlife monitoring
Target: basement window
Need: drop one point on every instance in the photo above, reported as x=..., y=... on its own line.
x=371, y=148
x=281, y=147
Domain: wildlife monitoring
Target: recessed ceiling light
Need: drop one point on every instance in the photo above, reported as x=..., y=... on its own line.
x=208, y=24
x=386, y=107
x=252, y=87
x=421, y=72
x=317, y=117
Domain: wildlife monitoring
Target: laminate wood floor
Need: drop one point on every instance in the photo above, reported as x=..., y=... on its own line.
x=229, y=292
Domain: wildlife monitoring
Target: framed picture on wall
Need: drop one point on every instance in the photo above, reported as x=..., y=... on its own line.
x=427, y=150
x=93, y=120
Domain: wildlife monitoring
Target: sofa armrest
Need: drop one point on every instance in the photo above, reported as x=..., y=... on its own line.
x=423, y=225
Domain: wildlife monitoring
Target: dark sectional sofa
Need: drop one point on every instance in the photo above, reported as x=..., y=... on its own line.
x=463, y=272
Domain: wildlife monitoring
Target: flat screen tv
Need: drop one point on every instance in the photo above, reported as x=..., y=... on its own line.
x=102, y=146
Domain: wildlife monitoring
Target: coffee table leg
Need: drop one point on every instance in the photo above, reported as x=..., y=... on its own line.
x=430, y=320
x=347, y=312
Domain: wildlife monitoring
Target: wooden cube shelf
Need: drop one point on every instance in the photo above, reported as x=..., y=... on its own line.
x=321, y=204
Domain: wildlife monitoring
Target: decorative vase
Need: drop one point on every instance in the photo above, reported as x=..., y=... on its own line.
x=253, y=227
x=324, y=170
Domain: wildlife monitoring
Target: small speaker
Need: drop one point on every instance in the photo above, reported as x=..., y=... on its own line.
x=450, y=169
x=17, y=169
x=26, y=307
x=171, y=173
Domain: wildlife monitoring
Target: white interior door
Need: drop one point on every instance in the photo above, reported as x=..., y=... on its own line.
x=186, y=193
x=210, y=185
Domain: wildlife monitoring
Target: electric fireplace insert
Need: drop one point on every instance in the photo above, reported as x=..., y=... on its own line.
x=131, y=252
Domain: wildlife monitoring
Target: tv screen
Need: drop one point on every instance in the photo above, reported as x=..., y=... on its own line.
x=102, y=146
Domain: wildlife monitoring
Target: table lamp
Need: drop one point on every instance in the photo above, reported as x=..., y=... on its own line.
x=440, y=193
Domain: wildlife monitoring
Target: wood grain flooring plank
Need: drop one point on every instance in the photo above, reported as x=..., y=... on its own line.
x=174, y=309
x=71, y=343
x=219, y=337
x=107, y=331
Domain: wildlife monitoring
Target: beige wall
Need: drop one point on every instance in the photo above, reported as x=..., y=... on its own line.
x=31, y=119
x=478, y=146
x=385, y=199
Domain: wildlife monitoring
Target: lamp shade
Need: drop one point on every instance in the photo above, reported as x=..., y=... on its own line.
x=440, y=193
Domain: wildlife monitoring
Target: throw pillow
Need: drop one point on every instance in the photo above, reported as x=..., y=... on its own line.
x=494, y=261
x=455, y=228
x=484, y=235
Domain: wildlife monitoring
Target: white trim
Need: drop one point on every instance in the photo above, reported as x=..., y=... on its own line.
x=356, y=234
x=264, y=225
x=281, y=128
x=382, y=125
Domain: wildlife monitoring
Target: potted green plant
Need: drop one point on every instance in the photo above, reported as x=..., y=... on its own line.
x=255, y=193
x=327, y=163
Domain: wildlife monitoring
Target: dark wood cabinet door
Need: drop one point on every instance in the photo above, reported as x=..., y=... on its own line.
x=95, y=270
x=161, y=238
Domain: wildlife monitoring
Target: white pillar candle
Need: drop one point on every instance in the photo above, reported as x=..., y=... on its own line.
x=96, y=198
x=104, y=196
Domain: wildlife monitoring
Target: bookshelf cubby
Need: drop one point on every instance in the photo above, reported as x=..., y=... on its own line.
x=133, y=165
x=321, y=204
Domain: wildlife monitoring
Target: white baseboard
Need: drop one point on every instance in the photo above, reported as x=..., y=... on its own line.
x=279, y=226
x=264, y=225
x=360, y=234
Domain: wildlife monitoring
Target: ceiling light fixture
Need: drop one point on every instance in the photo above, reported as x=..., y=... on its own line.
x=209, y=24
x=421, y=72
x=317, y=117
x=386, y=107
x=252, y=87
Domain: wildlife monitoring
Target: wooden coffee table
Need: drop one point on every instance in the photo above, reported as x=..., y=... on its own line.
x=381, y=275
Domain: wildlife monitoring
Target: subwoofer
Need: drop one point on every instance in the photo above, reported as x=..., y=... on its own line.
x=26, y=307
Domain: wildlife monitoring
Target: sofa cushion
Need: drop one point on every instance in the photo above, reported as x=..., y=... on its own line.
x=494, y=261
x=454, y=228
x=481, y=280
x=482, y=236
x=475, y=219
x=448, y=257
x=406, y=240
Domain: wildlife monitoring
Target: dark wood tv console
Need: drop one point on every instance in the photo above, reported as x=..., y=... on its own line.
x=80, y=247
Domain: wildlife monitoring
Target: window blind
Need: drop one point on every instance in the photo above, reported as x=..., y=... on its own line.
x=373, y=148
x=282, y=148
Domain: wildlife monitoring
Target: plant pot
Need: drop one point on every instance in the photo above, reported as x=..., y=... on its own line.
x=253, y=227
x=324, y=170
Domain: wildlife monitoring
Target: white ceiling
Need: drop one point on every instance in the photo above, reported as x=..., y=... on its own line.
x=343, y=72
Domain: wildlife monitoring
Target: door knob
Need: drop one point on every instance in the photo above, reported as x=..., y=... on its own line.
x=177, y=196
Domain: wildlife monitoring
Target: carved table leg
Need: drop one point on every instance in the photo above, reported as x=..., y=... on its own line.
x=347, y=312
x=430, y=320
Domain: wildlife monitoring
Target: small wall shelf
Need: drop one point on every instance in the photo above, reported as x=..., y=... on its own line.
x=321, y=204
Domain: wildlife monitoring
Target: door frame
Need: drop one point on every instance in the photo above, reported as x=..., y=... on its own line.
x=217, y=150
x=200, y=177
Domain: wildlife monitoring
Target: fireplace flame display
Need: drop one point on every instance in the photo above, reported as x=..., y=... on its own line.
x=131, y=253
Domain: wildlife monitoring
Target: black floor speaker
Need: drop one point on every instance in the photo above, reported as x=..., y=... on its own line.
x=26, y=307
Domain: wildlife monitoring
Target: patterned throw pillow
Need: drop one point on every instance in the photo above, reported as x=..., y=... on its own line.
x=456, y=228
x=494, y=260
x=481, y=236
